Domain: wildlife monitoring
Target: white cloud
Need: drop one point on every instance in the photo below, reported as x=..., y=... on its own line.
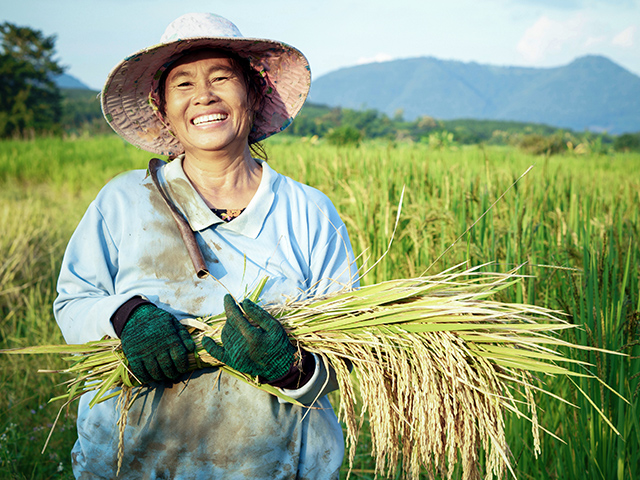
x=596, y=40
x=378, y=58
x=575, y=4
x=625, y=38
x=550, y=40
x=548, y=36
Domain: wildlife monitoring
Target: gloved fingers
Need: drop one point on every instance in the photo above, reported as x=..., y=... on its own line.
x=180, y=357
x=185, y=336
x=167, y=366
x=263, y=318
x=213, y=349
x=230, y=305
x=238, y=322
x=138, y=370
x=153, y=367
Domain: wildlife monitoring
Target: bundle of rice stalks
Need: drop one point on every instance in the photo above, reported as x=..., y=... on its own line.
x=438, y=363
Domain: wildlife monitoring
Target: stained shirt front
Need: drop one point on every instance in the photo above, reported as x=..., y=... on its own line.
x=208, y=425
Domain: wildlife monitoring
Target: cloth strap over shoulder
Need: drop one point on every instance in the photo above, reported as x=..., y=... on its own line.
x=186, y=233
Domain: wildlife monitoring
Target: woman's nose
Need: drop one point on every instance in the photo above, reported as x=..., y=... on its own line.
x=205, y=94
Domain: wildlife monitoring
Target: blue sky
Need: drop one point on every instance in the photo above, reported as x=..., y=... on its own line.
x=93, y=35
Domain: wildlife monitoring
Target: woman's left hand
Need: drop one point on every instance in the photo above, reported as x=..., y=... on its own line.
x=263, y=350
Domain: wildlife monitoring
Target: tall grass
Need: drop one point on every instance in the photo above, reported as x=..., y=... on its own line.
x=28, y=260
x=576, y=212
x=45, y=186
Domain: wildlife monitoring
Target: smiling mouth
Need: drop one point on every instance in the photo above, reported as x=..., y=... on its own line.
x=208, y=119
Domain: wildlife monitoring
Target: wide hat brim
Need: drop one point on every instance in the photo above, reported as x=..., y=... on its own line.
x=125, y=96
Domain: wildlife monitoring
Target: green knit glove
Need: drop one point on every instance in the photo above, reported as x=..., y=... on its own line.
x=263, y=350
x=156, y=344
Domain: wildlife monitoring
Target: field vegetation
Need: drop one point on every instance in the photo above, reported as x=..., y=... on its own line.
x=572, y=221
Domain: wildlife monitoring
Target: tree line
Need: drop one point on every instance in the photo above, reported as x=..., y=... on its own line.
x=30, y=101
x=344, y=126
x=32, y=104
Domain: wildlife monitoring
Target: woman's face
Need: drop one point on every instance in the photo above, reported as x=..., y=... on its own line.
x=206, y=104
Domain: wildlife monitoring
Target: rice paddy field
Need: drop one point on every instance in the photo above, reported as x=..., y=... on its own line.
x=572, y=222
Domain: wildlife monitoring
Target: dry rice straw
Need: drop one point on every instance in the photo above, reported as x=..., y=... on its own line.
x=436, y=365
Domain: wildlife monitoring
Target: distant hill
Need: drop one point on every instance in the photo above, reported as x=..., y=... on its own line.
x=590, y=93
x=69, y=81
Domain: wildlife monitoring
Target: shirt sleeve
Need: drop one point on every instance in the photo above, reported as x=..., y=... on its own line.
x=86, y=285
x=322, y=382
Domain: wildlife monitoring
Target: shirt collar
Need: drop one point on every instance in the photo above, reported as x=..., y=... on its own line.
x=200, y=216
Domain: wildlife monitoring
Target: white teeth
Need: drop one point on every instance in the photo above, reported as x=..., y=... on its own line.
x=216, y=117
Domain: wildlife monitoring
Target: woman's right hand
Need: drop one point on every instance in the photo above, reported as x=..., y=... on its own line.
x=156, y=344
x=260, y=349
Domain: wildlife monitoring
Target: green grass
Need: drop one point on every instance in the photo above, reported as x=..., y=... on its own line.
x=577, y=212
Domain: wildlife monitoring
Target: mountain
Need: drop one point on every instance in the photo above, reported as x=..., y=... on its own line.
x=69, y=81
x=590, y=93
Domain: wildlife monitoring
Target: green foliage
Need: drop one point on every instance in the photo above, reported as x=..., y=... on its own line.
x=344, y=135
x=81, y=112
x=628, y=142
x=439, y=140
x=317, y=121
x=495, y=132
x=605, y=301
x=541, y=145
x=30, y=102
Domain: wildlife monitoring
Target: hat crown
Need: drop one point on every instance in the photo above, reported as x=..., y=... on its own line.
x=199, y=25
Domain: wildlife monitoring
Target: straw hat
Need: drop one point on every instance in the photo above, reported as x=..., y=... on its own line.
x=131, y=87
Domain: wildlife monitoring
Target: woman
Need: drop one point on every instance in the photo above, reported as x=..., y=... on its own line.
x=205, y=95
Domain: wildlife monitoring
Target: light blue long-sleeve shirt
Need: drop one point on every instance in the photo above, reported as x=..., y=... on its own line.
x=209, y=425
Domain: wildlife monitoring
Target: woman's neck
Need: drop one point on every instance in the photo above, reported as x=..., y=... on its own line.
x=224, y=181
